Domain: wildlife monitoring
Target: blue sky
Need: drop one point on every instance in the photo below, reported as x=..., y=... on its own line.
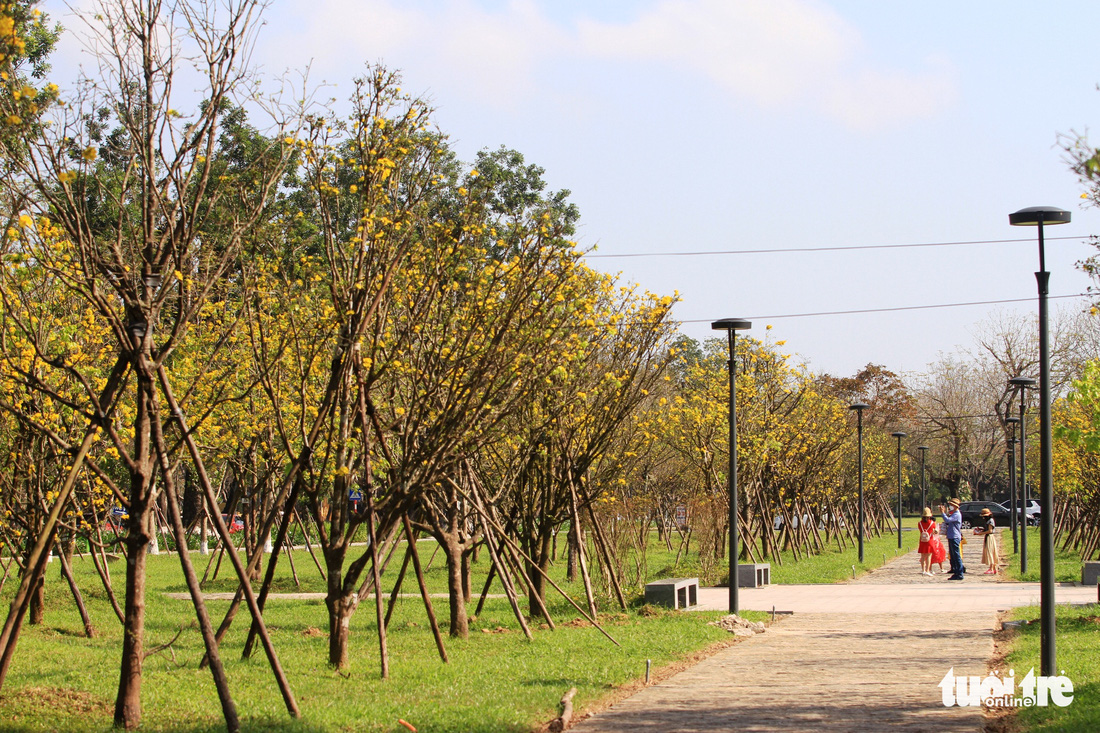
x=689, y=125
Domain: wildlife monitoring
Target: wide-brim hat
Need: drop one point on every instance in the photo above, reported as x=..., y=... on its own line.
x=986, y=512
x=927, y=512
x=953, y=502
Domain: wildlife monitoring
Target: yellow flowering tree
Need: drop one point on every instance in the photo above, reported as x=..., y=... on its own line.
x=139, y=216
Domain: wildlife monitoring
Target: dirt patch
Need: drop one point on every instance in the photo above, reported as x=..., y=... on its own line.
x=75, y=703
x=1000, y=719
x=313, y=631
x=656, y=675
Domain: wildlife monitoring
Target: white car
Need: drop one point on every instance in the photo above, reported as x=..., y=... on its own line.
x=1033, y=510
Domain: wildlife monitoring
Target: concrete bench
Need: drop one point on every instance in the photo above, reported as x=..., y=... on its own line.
x=754, y=575
x=1090, y=573
x=673, y=592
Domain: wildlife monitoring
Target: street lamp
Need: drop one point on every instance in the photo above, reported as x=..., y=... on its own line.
x=1013, y=503
x=1021, y=384
x=859, y=407
x=899, y=435
x=731, y=326
x=1037, y=216
x=923, y=487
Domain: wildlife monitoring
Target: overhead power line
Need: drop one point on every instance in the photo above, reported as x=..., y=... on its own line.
x=782, y=250
x=890, y=310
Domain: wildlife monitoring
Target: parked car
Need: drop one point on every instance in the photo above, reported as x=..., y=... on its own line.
x=234, y=526
x=972, y=513
x=1033, y=510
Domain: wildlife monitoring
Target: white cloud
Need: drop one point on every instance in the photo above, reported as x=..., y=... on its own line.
x=487, y=56
x=775, y=53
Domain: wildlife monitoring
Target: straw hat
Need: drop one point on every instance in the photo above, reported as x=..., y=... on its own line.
x=927, y=514
x=953, y=502
x=986, y=512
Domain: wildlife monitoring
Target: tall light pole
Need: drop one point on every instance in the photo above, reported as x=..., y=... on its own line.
x=1013, y=502
x=1022, y=384
x=859, y=407
x=731, y=326
x=899, y=435
x=1037, y=216
x=923, y=487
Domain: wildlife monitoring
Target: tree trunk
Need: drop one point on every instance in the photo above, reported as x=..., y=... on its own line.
x=341, y=607
x=38, y=603
x=128, y=702
x=571, y=562
x=460, y=622
x=466, y=591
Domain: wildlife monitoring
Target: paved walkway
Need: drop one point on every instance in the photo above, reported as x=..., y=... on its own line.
x=861, y=656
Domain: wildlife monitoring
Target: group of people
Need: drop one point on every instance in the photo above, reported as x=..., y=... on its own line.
x=932, y=551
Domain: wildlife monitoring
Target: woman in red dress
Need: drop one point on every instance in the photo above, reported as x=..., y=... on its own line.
x=927, y=528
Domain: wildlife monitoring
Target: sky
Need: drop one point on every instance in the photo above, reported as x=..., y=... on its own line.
x=686, y=126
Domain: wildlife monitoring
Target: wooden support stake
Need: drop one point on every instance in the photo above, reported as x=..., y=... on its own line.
x=67, y=571
x=601, y=547
x=309, y=547
x=410, y=538
x=223, y=533
x=508, y=540
x=397, y=585
x=375, y=572
x=221, y=681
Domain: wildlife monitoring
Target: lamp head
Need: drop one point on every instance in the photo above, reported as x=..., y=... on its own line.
x=731, y=324
x=858, y=406
x=899, y=435
x=1036, y=215
x=922, y=447
x=1022, y=382
x=1012, y=420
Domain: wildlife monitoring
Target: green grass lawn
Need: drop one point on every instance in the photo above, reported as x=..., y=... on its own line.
x=1067, y=563
x=833, y=565
x=1077, y=638
x=496, y=680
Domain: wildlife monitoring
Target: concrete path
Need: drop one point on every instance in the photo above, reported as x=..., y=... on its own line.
x=819, y=672
x=859, y=656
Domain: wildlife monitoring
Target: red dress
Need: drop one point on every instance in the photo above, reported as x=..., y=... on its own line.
x=939, y=552
x=929, y=526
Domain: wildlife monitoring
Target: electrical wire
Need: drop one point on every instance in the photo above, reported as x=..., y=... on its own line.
x=891, y=310
x=783, y=250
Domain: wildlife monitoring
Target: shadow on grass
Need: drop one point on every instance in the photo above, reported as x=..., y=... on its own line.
x=33, y=709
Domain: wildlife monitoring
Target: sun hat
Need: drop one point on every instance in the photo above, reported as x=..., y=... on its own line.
x=927, y=513
x=953, y=502
x=986, y=512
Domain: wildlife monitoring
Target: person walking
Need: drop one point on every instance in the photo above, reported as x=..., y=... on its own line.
x=991, y=556
x=952, y=529
x=927, y=528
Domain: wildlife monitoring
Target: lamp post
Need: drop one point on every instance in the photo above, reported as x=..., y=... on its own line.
x=1013, y=503
x=1023, y=383
x=923, y=487
x=731, y=326
x=859, y=407
x=1037, y=216
x=899, y=435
